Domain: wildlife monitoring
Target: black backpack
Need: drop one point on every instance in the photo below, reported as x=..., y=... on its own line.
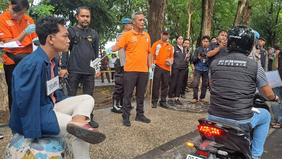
x=75, y=39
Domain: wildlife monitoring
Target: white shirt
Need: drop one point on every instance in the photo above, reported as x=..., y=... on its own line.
x=111, y=62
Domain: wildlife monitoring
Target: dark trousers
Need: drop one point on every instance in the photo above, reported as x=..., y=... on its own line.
x=87, y=82
x=176, y=82
x=113, y=73
x=185, y=81
x=161, y=76
x=276, y=107
x=197, y=75
x=8, y=75
x=130, y=80
x=118, y=93
x=105, y=68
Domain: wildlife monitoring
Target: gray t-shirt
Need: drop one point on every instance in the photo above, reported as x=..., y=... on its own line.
x=121, y=52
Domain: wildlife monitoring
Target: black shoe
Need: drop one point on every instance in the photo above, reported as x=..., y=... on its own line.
x=164, y=105
x=177, y=102
x=1, y=136
x=170, y=103
x=142, y=118
x=154, y=105
x=126, y=121
x=183, y=96
x=116, y=107
x=93, y=124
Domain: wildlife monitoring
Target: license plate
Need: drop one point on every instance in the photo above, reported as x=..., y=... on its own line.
x=193, y=157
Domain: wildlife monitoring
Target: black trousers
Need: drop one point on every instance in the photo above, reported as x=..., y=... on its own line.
x=131, y=80
x=119, y=90
x=176, y=82
x=8, y=75
x=113, y=73
x=205, y=80
x=87, y=82
x=161, y=76
x=185, y=79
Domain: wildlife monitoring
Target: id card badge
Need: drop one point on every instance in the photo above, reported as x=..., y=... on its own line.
x=52, y=85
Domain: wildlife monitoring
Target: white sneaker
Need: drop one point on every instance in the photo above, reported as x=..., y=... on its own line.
x=1, y=136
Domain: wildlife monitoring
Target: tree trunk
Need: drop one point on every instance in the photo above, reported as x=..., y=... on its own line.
x=207, y=15
x=210, y=16
x=247, y=13
x=276, y=22
x=156, y=18
x=189, y=12
x=241, y=6
x=205, y=9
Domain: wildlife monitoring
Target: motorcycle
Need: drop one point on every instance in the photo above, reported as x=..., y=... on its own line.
x=225, y=139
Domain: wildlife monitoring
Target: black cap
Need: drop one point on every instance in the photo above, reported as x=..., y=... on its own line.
x=263, y=39
x=165, y=30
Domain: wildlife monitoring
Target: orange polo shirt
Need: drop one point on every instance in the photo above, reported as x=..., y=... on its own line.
x=137, y=46
x=165, y=52
x=10, y=29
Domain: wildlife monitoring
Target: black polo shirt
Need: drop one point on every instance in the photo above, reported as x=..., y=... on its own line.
x=222, y=52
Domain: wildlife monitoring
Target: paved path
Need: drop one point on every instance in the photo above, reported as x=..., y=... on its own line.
x=163, y=138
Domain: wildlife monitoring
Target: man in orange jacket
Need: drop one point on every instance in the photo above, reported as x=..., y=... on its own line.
x=162, y=52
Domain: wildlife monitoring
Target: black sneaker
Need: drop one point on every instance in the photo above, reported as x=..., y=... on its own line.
x=170, y=103
x=116, y=109
x=154, y=105
x=142, y=118
x=93, y=124
x=177, y=102
x=1, y=136
x=164, y=105
x=125, y=121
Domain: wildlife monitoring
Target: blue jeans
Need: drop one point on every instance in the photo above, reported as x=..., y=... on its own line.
x=276, y=107
x=260, y=123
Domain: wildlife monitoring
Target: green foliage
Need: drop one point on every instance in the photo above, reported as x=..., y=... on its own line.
x=106, y=16
x=40, y=10
x=3, y=5
x=177, y=18
x=223, y=15
x=266, y=20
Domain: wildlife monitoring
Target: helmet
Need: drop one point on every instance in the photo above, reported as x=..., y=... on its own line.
x=241, y=38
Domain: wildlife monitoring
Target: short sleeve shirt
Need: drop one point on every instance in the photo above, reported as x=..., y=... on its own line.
x=10, y=29
x=137, y=46
x=161, y=53
x=221, y=52
x=121, y=52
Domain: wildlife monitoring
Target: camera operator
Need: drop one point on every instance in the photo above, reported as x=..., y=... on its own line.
x=200, y=61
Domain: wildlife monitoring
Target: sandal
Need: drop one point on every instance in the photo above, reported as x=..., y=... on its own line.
x=272, y=124
x=276, y=126
x=86, y=133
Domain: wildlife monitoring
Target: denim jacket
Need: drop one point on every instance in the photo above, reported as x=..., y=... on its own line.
x=32, y=112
